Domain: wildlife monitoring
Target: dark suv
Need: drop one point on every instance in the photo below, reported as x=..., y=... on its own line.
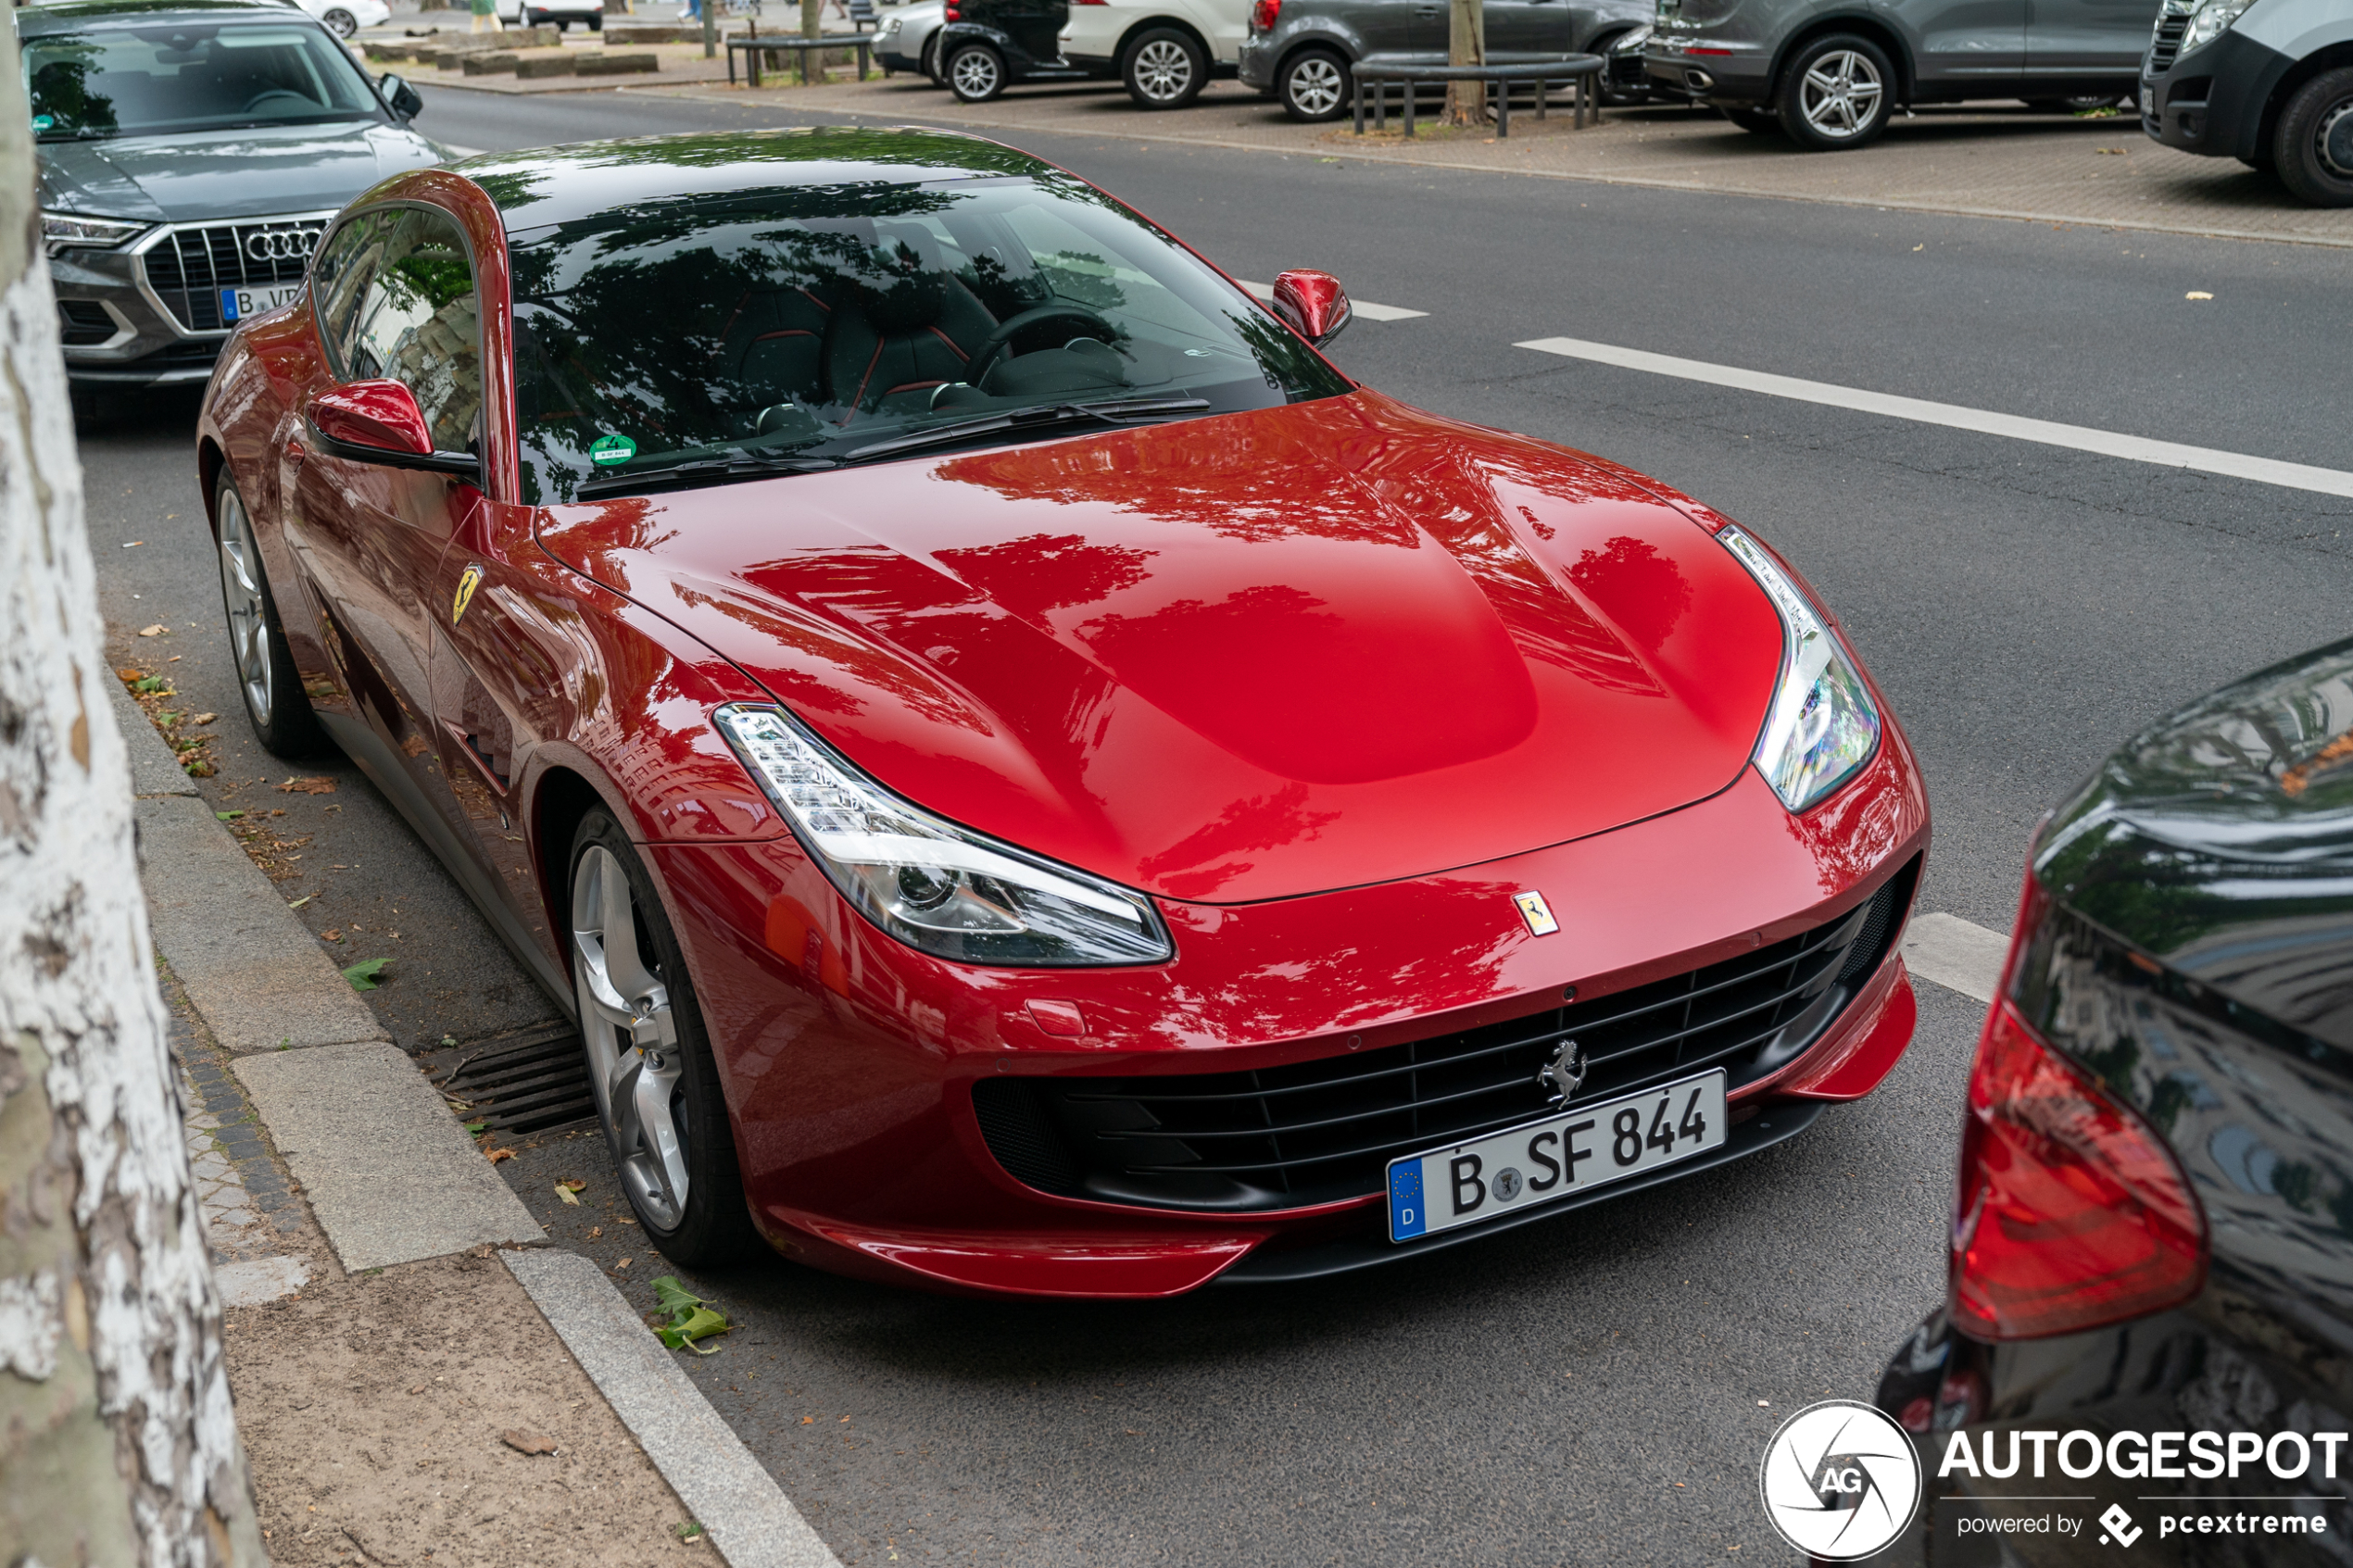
x=1828, y=74
x=1304, y=52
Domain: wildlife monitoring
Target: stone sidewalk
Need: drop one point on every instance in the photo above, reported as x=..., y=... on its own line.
x=1991, y=160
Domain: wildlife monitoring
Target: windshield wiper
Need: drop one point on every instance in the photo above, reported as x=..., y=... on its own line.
x=1116, y=411
x=702, y=471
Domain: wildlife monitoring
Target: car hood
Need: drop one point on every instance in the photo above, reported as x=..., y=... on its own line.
x=2220, y=840
x=1236, y=658
x=227, y=173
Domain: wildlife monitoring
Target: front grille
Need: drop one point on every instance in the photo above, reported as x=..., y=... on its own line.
x=189, y=266
x=84, y=322
x=2168, y=42
x=1314, y=1132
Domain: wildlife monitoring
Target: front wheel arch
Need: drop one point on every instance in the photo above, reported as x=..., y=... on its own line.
x=1130, y=39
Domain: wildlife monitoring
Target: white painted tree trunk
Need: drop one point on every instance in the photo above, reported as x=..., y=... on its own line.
x=1466, y=46
x=117, y=1441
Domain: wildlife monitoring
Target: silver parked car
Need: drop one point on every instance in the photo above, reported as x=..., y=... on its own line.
x=909, y=39
x=190, y=154
x=1304, y=52
x=1828, y=74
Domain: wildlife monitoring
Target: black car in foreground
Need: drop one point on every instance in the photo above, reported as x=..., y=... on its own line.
x=2147, y=1340
x=987, y=45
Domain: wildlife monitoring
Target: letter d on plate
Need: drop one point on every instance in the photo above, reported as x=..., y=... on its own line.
x=1407, y=1215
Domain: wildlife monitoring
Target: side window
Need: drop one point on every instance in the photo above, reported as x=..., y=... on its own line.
x=336, y=273
x=417, y=322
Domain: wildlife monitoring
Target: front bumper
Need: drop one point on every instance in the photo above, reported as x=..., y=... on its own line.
x=1720, y=71
x=156, y=300
x=2210, y=101
x=851, y=1062
x=1256, y=66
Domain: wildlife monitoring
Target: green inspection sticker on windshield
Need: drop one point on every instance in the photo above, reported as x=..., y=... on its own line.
x=42, y=122
x=607, y=451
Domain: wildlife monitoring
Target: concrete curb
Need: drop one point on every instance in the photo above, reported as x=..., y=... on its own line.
x=750, y=1520
x=390, y=1174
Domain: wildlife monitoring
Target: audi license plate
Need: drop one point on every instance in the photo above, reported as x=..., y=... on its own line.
x=1577, y=1150
x=238, y=304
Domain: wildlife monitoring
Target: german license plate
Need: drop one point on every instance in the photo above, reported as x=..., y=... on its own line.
x=238, y=304
x=1574, y=1150
x=2148, y=100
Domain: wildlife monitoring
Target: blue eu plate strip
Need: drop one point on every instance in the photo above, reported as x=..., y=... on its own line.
x=1406, y=1216
x=228, y=305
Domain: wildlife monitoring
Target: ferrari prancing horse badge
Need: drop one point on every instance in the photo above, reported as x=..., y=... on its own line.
x=466, y=583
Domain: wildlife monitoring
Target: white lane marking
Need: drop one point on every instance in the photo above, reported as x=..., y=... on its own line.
x=2166, y=454
x=1956, y=954
x=1370, y=312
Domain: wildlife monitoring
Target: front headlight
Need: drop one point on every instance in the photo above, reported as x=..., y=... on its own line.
x=890, y=27
x=943, y=889
x=1822, y=725
x=66, y=231
x=2211, y=20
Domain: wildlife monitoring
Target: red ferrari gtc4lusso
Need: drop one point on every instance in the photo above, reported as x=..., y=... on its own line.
x=1031, y=781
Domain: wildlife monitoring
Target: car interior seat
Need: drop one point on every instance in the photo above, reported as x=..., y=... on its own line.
x=905, y=328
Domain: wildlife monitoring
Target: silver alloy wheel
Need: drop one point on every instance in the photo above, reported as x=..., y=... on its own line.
x=1163, y=71
x=1840, y=94
x=240, y=592
x=342, y=23
x=1316, y=86
x=634, y=1057
x=975, y=74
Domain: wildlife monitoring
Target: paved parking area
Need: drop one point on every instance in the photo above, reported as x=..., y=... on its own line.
x=1992, y=160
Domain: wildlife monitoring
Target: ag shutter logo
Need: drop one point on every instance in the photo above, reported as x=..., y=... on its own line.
x=1840, y=1481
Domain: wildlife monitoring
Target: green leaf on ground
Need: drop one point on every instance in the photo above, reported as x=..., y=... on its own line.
x=691, y=1317
x=300, y=902
x=689, y=1531
x=230, y=817
x=149, y=685
x=363, y=975
x=474, y=1129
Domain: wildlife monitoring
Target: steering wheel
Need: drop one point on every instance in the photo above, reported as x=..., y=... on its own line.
x=254, y=105
x=992, y=347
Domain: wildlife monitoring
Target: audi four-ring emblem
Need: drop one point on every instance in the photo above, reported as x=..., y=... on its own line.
x=281, y=245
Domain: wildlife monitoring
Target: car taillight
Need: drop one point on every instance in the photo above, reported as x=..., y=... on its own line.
x=953, y=14
x=2071, y=1213
x=1263, y=14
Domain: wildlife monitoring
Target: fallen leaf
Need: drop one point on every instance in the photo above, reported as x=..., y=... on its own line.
x=331, y=934
x=173, y=659
x=527, y=1442
x=418, y=1390
x=203, y=718
x=301, y=901
x=596, y=1231
x=474, y=1129
x=498, y=1154
x=845, y=1421
x=307, y=786
x=573, y=1184
x=156, y=631
x=809, y=1421
x=230, y=817
x=2110, y=152
x=1919, y=248
x=565, y=1193
x=690, y=1532
x=624, y=1262
x=2198, y=293
x=363, y=975
x=128, y=675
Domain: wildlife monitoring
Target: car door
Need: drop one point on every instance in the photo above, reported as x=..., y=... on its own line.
x=401, y=307
x=1520, y=31
x=2079, y=38
x=1957, y=43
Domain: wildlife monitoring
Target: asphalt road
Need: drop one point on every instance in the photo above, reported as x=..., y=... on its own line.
x=1588, y=1391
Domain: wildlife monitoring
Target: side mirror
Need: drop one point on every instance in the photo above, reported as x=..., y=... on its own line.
x=399, y=97
x=378, y=421
x=1314, y=303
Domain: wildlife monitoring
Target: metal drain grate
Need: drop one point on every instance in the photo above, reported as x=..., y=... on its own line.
x=532, y=1081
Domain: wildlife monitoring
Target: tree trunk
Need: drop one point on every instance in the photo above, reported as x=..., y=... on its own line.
x=1466, y=45
x=117, y=1440
x=812, y=17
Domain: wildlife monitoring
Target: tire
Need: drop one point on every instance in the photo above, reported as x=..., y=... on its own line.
x=340, y=22
x=929, y=62
x=975, y=73
x=563, y=24
x=1836, y=94
x=1163, y=69
x=1314, y=85
x=596, y=22
x=275, y=703
x=650, y=1062
x=1761, y=122
x=2313, y=149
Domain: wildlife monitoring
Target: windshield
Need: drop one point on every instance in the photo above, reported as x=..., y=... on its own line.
x=190, y=76
x=837, y=323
